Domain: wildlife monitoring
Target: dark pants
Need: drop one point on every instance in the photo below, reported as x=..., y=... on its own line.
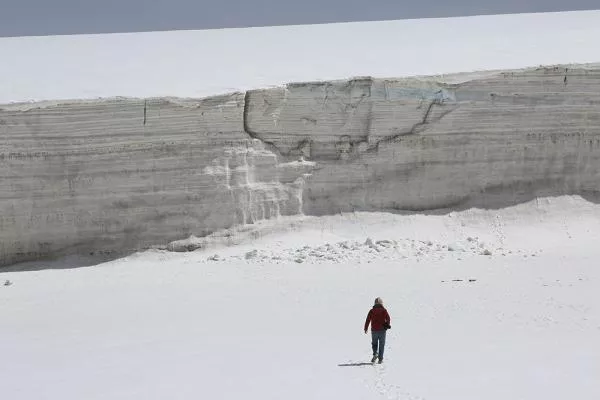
x=378, y=341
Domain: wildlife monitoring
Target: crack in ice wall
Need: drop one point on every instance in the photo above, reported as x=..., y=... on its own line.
x=114, y=176
x=341, y=120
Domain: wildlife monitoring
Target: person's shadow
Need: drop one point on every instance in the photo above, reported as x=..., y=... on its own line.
x=360, y=364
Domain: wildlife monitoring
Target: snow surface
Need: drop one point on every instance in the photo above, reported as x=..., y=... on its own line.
x=252, y=322
x=210, y=62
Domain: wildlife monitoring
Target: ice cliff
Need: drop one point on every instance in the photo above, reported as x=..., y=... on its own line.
x=116, y=175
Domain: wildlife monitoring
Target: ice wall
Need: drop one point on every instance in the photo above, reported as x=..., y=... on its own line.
x=113, y=176
x=422, y=144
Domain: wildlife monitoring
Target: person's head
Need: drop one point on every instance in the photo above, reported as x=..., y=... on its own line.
x=378, y=301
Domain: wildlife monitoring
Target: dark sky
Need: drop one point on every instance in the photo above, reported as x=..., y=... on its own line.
x=52, y=17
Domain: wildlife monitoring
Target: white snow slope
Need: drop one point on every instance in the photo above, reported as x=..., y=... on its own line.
x=285, y=320
x=206, y=63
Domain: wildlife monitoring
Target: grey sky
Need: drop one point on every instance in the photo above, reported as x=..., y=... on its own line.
x=52, y=17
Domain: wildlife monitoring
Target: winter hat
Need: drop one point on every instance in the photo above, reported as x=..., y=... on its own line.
x=378, y=301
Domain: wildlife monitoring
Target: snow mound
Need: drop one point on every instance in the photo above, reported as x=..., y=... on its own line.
x=365, y=251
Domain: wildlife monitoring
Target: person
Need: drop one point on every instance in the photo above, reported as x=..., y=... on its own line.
x=380, y=321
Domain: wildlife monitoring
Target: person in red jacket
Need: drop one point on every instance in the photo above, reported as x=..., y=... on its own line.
x=380, y=321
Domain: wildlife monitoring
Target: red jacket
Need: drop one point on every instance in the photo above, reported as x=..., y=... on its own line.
x=378, y=316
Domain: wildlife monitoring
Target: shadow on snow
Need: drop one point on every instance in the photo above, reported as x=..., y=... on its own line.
x=360, y=364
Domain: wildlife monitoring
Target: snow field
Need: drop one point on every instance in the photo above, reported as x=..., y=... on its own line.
x=211, y=62
x=161, y=325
